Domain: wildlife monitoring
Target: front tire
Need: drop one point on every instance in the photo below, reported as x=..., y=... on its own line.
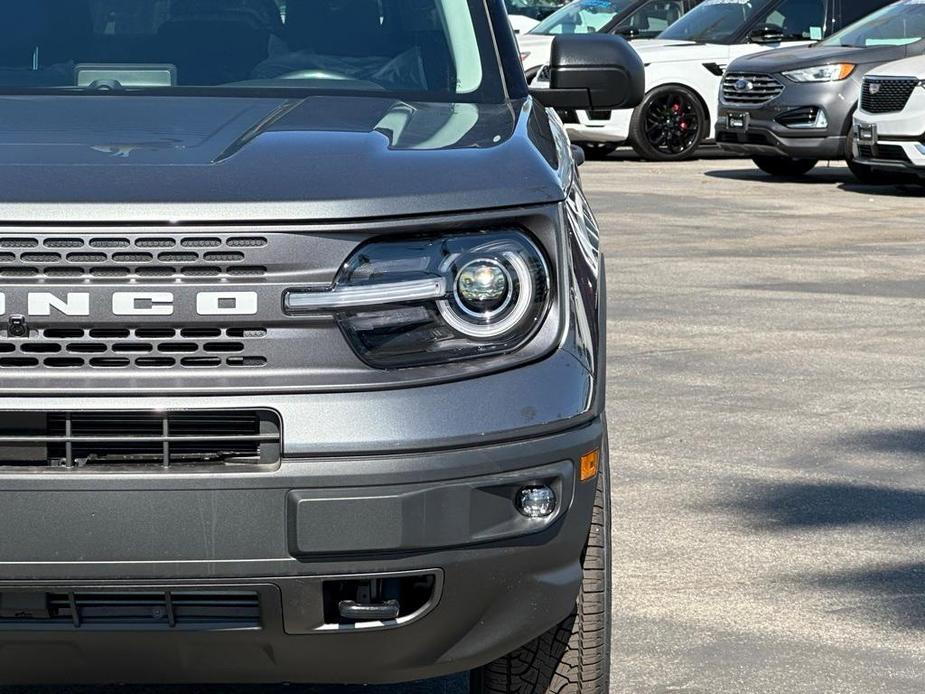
x=573, y=657
x=785, y=167
x=669, y=125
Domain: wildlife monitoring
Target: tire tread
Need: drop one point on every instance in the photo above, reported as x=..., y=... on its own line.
x=574, y=657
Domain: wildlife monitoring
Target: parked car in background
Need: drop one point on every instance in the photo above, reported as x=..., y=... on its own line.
x=889, y=123
x=790, y=108
x=526, y=14
x=685, y=65
x=632, y=19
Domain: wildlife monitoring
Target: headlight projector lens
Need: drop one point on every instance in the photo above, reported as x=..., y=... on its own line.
x=484, y=288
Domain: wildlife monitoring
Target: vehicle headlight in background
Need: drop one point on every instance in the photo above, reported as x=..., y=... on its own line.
x=821, y=73
x=432, y=300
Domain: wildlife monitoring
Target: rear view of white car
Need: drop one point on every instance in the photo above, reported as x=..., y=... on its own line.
x=889, y=123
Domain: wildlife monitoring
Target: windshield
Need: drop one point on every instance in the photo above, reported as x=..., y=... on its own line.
x=896, y=25
x=536, y=9
x=582, y=17
x=714, y=21
x=435, y=49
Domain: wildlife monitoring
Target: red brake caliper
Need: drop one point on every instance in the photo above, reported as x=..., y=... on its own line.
x=676, y=108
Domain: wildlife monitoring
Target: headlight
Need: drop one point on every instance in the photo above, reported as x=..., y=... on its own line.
x=430, y=300
x=821, y=73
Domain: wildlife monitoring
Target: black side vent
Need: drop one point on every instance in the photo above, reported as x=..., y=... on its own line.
x=114, y=611
x=804, y=117
x=126, y=441
x=883, y=153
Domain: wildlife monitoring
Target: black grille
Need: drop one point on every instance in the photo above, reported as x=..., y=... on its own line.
x=143, y=348
x=139, y=440
x=883, y=153
x=886, y=95
x=129, y=257
x=155, y=610
x=750, y=89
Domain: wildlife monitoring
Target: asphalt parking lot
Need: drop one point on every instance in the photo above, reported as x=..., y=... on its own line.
x=766, y=408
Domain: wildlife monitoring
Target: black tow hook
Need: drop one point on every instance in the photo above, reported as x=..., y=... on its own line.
x=380, y=612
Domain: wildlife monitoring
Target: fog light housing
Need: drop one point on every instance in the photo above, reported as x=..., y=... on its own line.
x=537, y=502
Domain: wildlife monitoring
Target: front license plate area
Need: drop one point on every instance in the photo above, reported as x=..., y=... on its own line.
x=737, y=121
x=867, y=134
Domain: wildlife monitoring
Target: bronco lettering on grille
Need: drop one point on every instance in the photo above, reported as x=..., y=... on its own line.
x=77, y=304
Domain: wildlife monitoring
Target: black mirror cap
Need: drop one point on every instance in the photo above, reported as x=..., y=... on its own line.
x=766, y=33
x=593, y=72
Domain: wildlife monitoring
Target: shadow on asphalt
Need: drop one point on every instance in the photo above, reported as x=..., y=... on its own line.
x=840, y=176
x=822, y=175
x=706, y=153
x=812, y=505
x=903, y=190
x=905, y=441
x=893, y=593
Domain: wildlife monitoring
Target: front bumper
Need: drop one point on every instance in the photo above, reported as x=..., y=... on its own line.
x=765, y=135
x=886, y=154
x=501, y=580
x=893, y=141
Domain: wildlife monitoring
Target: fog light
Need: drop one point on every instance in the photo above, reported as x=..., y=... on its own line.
x=536, y=502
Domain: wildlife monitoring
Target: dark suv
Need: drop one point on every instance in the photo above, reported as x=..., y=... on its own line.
x=302, y=346
x=790, y=108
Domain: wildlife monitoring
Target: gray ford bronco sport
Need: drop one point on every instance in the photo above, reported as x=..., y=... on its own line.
x=301, y=346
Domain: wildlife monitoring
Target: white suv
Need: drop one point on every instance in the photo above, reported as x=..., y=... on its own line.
x=890, y=122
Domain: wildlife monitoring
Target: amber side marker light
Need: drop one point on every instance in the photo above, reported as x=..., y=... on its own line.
x=590, y=464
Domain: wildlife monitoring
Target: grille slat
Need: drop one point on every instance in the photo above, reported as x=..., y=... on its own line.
x=127, y=257
x=887, y=95
x=760, y=89
x=119, y=348
x=132, y=440
x=155, y=610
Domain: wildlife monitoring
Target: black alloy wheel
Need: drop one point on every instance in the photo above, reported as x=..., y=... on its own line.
x=669, y=125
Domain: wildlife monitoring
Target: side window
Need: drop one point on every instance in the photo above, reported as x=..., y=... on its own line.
x=653, y=18
x=799, y=20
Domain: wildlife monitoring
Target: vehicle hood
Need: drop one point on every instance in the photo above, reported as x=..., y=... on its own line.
x=661, y=51
x=319, y=158
x=908, y=67
x=811, y=56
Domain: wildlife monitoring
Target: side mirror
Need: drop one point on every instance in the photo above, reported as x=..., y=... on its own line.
x=597, y=72
x=766, y=33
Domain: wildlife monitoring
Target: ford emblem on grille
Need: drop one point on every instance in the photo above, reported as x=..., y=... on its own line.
x=874, y=87
x=744, y=85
